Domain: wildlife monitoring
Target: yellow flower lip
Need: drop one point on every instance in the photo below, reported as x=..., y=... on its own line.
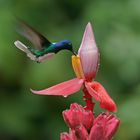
x=77, y=66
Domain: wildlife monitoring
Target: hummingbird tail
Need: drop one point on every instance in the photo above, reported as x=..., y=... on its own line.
x=21, y=46
x=25, y=49
x=33, y=57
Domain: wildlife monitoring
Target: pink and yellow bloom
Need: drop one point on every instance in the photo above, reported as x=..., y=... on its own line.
x=84, y=126
x=85, y=66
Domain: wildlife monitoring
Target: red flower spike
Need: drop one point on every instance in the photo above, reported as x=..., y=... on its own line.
x=77, y=116
x=103, y=128
x=113, y=124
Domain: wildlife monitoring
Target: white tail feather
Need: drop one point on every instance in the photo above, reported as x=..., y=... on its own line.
x=21, y=46
x=25, y=49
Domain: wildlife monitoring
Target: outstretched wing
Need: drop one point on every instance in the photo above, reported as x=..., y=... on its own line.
x=32, y=35
x=25, y=49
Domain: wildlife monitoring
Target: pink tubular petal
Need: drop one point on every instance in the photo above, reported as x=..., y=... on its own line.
x=72, y=134
x=96, y=90
x=62, y=89
x=105, y=127
x=65, y=136
x=77, y=115
x=112, y=126
x=81, y=133
x=89, y=54
x=97, y=132
x=73, y=116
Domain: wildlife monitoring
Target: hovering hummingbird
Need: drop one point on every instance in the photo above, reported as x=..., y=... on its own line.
x=44, y=48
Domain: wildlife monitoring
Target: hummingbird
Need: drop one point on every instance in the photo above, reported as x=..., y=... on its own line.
x=44, y=49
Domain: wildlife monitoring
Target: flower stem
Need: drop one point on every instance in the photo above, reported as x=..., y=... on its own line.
x=88, y=99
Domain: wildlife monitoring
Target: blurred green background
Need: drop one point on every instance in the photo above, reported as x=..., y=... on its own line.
x=116, y=23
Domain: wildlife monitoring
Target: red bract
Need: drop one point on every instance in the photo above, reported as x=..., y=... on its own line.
x=85, y=66
x=78, y=116
x=102, y=127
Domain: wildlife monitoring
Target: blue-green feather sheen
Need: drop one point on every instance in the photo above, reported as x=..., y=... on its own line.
x=45, y=50
x=53, y=48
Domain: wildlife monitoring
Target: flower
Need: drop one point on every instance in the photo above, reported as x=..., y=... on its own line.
x=77, y=115
x=103, y=127
x=85, y=66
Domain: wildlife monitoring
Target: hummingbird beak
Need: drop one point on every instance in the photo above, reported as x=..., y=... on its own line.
x=74, y=53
